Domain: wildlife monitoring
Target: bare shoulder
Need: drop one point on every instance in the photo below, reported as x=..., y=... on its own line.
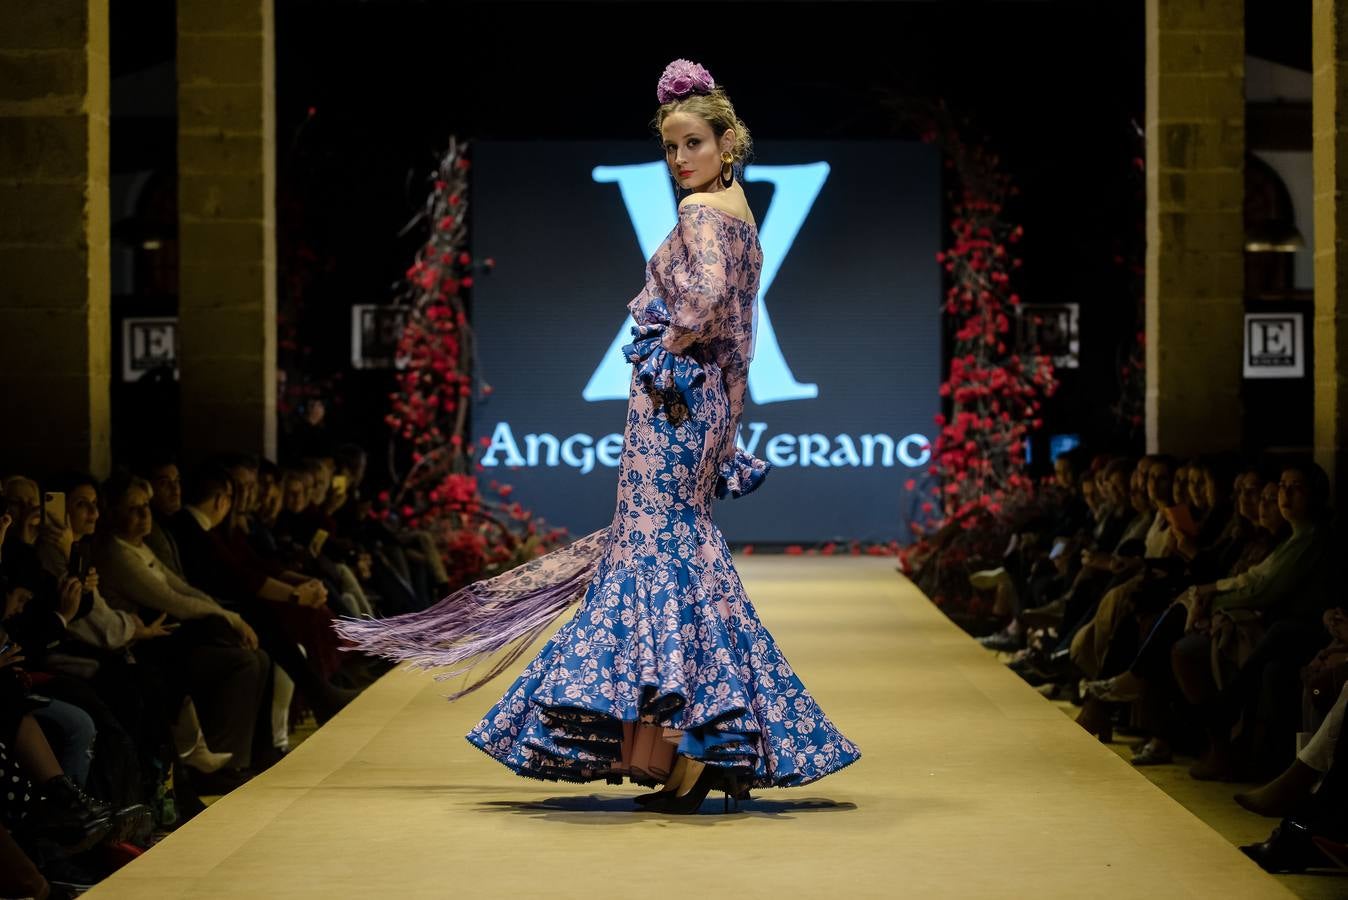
x=726, y=201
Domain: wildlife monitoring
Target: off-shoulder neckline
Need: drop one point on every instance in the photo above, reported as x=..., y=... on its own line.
x=728, y=215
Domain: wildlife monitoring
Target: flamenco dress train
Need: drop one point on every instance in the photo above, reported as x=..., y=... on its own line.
x=666, y=653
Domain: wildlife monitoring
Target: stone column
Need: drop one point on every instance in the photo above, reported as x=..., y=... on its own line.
x=1329, y=104
x=227, y=225
x=1195, y=126
x=55, y=262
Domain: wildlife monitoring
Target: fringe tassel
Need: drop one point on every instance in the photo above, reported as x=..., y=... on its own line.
x=506, y=612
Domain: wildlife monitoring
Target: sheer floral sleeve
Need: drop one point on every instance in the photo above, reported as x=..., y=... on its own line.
x=698, y=278
x=698, y=306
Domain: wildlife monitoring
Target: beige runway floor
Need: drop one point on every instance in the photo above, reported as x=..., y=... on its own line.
x=970, y=785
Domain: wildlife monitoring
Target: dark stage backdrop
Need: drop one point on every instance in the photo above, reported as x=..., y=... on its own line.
x=844, y=381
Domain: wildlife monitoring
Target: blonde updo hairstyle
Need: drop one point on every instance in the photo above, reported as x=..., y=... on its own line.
x=717, y=111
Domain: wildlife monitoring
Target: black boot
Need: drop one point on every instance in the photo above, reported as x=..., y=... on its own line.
x=66, y=817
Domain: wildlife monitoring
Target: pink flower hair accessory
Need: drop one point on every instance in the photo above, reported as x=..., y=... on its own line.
x=681, y=78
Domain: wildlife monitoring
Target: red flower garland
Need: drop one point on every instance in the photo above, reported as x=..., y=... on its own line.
x=995, y=389
x=428, y=415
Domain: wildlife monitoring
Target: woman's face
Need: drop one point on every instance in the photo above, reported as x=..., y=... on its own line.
x=133, y=520
x=1197, y=489
x=1137, y=490
x=1294, y=501
x=692, y=151
x=296, y=493
x=1116, y=489
x=269, y=506
x=1179, y=485
x=1210, y=489
x=1270, y=517
x=1160, y=482
x=82, y=509
x=1248, y=488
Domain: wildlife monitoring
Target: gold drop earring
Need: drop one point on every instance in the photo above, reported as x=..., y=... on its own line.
x=727, y=162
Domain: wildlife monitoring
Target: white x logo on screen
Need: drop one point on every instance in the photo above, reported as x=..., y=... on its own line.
x=648, y=194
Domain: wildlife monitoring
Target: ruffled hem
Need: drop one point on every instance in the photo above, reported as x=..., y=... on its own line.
x=741, y=474
x=724, y=684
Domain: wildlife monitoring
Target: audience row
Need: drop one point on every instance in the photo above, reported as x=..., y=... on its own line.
x=1200, y=606
x=160, y=638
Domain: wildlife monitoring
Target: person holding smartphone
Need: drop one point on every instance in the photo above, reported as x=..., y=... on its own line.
x=64, y=549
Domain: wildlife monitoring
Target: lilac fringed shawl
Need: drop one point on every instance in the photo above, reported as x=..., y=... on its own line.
x=510, y=610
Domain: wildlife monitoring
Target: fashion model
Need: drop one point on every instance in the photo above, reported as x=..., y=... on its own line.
x=664, y=675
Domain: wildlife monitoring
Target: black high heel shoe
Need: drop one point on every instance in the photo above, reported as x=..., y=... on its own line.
x=648, y=799
x=689, y=803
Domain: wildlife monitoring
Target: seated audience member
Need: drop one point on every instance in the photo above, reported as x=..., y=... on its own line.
x=1267, y=624
x=289, y=535
x=166, y=499
x=43, y=806
x=1326, y=673
x=420, y=564
x=214, y=650
x=1092, y=641
x=1116, y=516
x=1148, y=681
x=225, y=568
x=92, y=668
x=1192, y=654
x=1039, y=561
x=385, y=566
x=95, y=750
x=1314, y=830
x=1285, y=794
x=309, y=624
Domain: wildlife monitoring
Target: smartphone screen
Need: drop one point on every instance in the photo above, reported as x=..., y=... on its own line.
x=79, y=560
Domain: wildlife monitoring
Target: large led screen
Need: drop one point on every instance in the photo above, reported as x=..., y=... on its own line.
x=843, y=385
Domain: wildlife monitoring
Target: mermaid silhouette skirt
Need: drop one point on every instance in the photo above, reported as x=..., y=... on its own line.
x=665, y=653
